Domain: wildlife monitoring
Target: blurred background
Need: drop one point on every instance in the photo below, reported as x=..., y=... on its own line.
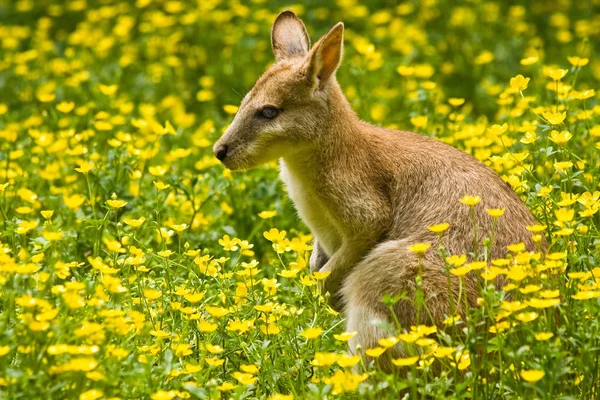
x=135, y=64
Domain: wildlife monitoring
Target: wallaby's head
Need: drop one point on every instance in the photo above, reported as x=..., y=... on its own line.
x=290, y=103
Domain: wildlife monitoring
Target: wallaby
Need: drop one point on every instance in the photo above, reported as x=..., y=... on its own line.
x=366, y=193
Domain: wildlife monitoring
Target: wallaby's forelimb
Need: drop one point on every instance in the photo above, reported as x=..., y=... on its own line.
x=318, y=257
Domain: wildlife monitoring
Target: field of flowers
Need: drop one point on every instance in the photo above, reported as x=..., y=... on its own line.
x=134, y=266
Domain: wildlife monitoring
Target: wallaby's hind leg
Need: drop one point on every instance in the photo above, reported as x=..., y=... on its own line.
x=366, y=322
x=390, y=268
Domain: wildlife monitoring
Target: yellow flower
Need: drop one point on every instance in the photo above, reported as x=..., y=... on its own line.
x=378, y=112
x=92, y=394
x=496, y=212
x=214, y=362
x=516, y=248
x=307, y=280
x=161, y=185
x=266, y=308
x=207, y=327
x=560, y=138
x=108, y=90
x=160, y=334
x=591, y=294
x=47, y=214
x=532, y=375
x=278, y=396
x=46, y=97
x=163, y=395
x=270, y=329
x=346, y=361
x=288, y=273
x=324, y=359
x=217, y=312
x=519, y=82
x=194, y=297
x=439, y=228
x=562, y=166
x=531, y=289
x=470, y=201
x=243, y=378
x=375, y=352
x=586, y=94
x=134, y=223
x=484, y=57
x=226, y=386
x=564, y=214
x=541, y=336
x=419, y=121
x=74, y=202
x=542, y=303
x=103, y=125
x=388, y=342
x=274, y=235
x=169, y=129
x=557, y=74
x=456, y=102
x=405, y=70
x=344, y=381
x=180, y=227
x=443, y=351
x=228, y=243
x=312, y=333
x=321, y=275
x=158, y=170
x=403, y=362
x=452, y=320
x=456, y=261
x=85, y=167
x=213, y=349
x=65, y=107
x=578, y=61
x=419, y=248
x=567, y=199
x=165, y=253
x=527, y=316
x=116, y=204
x=529, y=60
x=267, y=214
x=549, y=294
x=344, y=336
x=52, y=236
x=461, y=271
x=152, y=294
x=530, y=137
x=536, y=228
x=230, y=109
x=555, y=118
x=249, y=368
x=182, y=349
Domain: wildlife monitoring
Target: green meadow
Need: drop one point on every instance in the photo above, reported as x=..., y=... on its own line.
x=133, y=265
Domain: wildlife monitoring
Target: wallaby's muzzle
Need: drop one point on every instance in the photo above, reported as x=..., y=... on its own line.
x=220, y=151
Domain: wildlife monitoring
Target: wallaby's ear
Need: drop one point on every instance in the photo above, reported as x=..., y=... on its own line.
x=289, y=36
x=326, y=55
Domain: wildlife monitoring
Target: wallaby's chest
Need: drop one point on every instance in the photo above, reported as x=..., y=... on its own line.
x=312, y=208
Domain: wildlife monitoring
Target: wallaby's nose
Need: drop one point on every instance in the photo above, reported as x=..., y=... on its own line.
x=221, y=152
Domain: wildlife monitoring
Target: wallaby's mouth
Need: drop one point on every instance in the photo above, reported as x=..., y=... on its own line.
x=231, y=160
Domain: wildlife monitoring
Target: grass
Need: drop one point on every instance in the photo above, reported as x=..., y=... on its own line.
x=134, y=266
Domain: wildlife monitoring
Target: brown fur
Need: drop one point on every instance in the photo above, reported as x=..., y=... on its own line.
x=366, y=192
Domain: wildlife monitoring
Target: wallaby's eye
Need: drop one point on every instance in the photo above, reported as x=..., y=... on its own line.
x=269, y=112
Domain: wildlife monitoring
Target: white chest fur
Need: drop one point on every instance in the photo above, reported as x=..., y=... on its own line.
x=311, y=207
